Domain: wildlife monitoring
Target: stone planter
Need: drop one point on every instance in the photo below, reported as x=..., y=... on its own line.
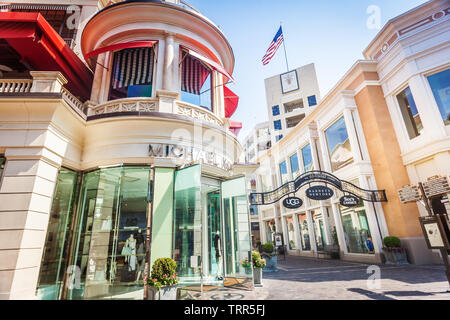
x=271, y=264
x=395, y=256
x=165, y=293
x=257, y=276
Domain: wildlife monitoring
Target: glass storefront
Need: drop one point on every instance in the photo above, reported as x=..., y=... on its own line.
x=100, y=252
x=356, y=230
x=291, y=233
x=109, y=240
x=318, y=230
x=304, y=232
x=54, y=260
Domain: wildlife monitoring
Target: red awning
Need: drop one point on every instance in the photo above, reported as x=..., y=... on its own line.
x=211, y=63
x=235, y=127
x=231, y=101
x=120, y=46
x=41, y=47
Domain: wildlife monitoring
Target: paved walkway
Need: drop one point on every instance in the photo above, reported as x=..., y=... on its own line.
x=301, y=278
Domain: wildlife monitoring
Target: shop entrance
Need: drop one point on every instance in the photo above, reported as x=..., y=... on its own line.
x=109, y=240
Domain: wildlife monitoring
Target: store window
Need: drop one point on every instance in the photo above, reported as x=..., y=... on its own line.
x=277, y=125
x=54, y=262
x=356, y=230
x=409, y=112
x=307, y=158
x=319, y=230
x=304, y=233
x=290, y=233
x=269, y=227
x=196, y=82
x=132, y=73
x=275, y=110
x=312, y=101
x=440, y=85
x=339, y=149
x=109, y=247
x=294, y=165
x=284, y=172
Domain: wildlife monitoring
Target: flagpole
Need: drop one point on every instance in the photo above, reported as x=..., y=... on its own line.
x=284, y=46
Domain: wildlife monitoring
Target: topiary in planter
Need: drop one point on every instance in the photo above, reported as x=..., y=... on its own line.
x=163, y=274
x=267, y=248
x=392, y=242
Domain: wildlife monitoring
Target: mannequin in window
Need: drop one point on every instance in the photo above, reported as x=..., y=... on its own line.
x=131, y=257
x=140, y=252
x=218, y=248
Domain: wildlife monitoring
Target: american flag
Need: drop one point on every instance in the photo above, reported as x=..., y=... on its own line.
x=274, y=45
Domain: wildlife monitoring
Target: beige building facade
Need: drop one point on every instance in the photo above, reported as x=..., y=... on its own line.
x=384, y=125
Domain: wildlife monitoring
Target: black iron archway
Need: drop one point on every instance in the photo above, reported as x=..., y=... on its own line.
x=309, y=177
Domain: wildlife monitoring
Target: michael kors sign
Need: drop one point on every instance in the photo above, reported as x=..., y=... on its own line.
x=188, y=155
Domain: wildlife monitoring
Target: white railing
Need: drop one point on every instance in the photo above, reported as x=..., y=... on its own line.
x=15, y=85
x=71, y=99
x=128, y=104
x=199, y=113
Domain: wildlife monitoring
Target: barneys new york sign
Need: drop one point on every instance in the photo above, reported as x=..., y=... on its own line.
x=189, y=155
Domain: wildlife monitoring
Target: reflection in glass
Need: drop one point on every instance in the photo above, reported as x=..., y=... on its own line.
x=440, y=85
x=291, y=233
x=215, y=242
x=54, y=260
x=283, y=172
x=338, y=145
x=187, y=222
x=294, y=165
x=109, y=241
x=307, y=158
x=356, y=230
x=304, y=233
x=410, y=114
x=318, y=230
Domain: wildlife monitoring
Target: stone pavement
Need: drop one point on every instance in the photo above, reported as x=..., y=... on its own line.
x=301, y=278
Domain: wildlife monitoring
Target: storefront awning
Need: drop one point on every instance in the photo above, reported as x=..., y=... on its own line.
x=42, y=49
x=211, y=63
x=235, y=127
x=120, y=46
x=231, y=101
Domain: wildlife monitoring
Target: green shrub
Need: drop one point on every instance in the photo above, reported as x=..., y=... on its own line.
x=267, y=247
x=163, y=273
x=392, y=242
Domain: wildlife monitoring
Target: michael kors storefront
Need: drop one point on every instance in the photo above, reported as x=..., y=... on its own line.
x=106, y=224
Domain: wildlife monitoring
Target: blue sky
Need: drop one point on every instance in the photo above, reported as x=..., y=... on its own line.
x=332, y=34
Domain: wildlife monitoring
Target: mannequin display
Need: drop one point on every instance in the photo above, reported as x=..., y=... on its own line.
x=218, y=248
x=131, y=258
x=140, y=241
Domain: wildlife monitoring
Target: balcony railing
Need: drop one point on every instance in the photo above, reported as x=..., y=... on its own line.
x=128, y=104
x=15, y=85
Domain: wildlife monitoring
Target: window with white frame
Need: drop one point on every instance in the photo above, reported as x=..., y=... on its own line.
x=440, y=85
x=284, y=172
x=294, y=165
x=338, y=143
x=307, y=158
x=410, y=115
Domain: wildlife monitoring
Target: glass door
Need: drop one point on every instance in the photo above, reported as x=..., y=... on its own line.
x=236, y=231
x=109, y=238
x=188, y=223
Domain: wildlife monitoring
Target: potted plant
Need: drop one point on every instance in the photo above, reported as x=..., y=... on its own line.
x=162, y=284
x=393, y=251
x=258, y=265
x=247, y=266
x=270, y=256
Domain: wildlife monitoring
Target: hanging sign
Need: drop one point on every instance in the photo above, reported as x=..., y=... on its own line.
x=292, y=203
x=434, y=232
x=319, y=193
x=349, y=201
x=436, y=186
x=409, y=194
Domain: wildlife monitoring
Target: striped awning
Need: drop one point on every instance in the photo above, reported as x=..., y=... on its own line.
x=193, y=74
x=133, y=67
